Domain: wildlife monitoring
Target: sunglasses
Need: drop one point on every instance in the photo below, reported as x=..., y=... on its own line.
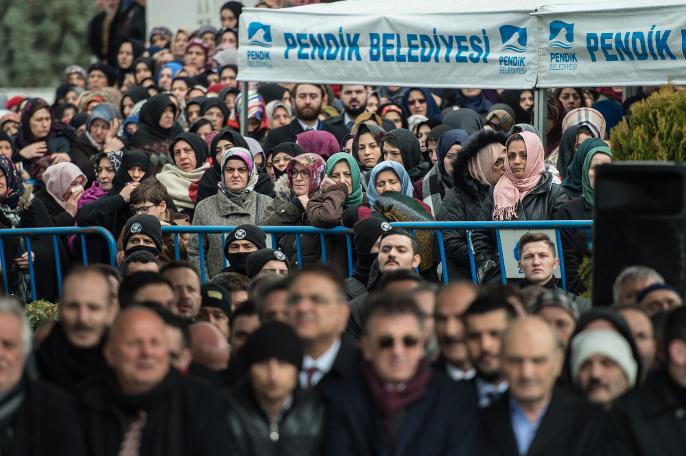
x=386, y=342
x=417, y=101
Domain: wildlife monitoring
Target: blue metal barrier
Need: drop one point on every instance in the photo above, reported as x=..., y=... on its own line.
x=439, y=227
x=25, y=234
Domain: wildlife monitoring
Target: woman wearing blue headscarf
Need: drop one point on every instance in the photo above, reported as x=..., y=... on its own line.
x=388, y=176
x=438, y=181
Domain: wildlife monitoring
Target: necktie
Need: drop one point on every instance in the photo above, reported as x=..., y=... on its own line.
x=310, y=374
x=131, y=444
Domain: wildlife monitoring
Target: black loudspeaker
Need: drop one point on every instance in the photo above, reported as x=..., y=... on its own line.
x=639, y=219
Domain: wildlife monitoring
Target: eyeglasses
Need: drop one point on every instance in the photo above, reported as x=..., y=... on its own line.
x=386, y=342
x=303, y=173
x=416, y=101
x=143, y=209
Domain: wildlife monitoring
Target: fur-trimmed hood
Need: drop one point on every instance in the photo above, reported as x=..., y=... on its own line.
x=282, y=190
x=26, y=198
x=461, y=177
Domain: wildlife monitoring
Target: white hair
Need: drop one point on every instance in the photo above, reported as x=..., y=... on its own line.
x=634, y=273
x=12, y=306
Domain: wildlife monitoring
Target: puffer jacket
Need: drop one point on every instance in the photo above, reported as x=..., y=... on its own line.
x=467, y=201
x=298, y=431
x=287, y=210
x=219, y=209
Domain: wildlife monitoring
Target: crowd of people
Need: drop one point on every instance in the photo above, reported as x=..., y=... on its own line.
x=274, y=353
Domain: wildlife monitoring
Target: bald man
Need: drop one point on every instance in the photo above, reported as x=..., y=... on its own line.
x=162, y=411
x=211, y=353
x=535, y=417
x=453, y=300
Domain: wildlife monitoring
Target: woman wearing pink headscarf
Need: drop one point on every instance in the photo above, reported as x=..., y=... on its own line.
x=526, y=191
x=63, y=189
x=318, y=142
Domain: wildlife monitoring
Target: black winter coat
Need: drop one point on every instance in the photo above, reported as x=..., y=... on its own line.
x=34, y=215
x=59, y=216
x=110, y=212
x=575, y=243
x=442, y=422
x=570, y=427
x=649, y=420
x=82, y=151
x=185, y=417
x=45, y=424
x=299, y=428
x=468, y=201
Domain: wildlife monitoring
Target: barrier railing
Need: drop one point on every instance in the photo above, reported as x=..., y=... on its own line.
x=54, y=233
x=438, y=227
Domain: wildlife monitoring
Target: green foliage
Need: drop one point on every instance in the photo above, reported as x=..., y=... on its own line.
x=40, y=311
x=656, y=129
x=40, y=38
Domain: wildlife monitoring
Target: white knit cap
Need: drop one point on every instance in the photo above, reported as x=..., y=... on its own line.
x=602, y=342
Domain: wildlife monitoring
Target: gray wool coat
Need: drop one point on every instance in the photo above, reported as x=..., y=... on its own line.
x=221, y=210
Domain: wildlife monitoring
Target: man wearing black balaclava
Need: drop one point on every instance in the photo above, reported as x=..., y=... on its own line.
x=241, y=242
x=366, y=239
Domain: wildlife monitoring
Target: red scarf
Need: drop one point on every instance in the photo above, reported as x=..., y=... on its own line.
x=390, y=402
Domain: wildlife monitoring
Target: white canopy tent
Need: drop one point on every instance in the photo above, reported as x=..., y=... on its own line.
x=468, y=44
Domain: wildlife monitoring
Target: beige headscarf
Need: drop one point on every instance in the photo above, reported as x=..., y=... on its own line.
x=480, y=165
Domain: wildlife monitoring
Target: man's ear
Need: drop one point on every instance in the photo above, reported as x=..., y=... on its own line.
x=416, y=260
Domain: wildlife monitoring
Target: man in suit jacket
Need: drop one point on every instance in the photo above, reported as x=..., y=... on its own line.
x=398, y=405
x=319, y=313
x=354, y=99
x=308, y=105
x=534, y=417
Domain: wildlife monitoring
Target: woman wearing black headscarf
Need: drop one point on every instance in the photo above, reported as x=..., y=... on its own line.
x=215, y=110
x=42, y=141
x=130, y=98
x=402, y=146
x=464, y=119
x=19, y=209
x=230, y=14
x=143, y=68
x=209, y=182
x=367, y=148
x=189, y=155
x=518, y=100
x=112, y=211
x=129, y=51
x=157, y=128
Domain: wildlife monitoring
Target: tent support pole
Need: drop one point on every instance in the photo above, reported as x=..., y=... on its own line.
x=244, y=108
x=541, y=113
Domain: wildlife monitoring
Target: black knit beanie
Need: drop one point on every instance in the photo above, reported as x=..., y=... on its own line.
x=246, y=232
x=273, y=340
x=143, y=224
x=367, y=231
x=256, y=260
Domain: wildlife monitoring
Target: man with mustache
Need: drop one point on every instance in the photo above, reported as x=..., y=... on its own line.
x=453, y=300
x=602, y=365
x=485, y=321
x=534, y=416
x=354, y=99
x=397, y=251
x=186, y=282
x=72, y=353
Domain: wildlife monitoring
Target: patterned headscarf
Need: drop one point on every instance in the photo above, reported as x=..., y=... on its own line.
x=14, y=183
x=314, y=164
x=587, y=116
x=246, y=157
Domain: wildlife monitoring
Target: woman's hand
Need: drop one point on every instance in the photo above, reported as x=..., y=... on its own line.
x=22, y=262
x=60, y=157
x=35, y=150
x=304, y=199
x=113, y=145
x=127, y=190
x=73, y=203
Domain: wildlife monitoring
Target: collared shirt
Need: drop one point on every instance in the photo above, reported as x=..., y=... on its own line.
x=348, y=121
x=323, y=364
x=489, y=393
x=458, y=374
x=308, y=127
x=523, y=429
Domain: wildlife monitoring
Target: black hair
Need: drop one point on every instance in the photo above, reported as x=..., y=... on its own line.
x=399, y=275
x=486, y=303
x=179, y=264
x=324, y=271
x=674, y=329
x=198, y=124
x=141, y=256
x=246, y=309
x=133, y=283
x=389, y=305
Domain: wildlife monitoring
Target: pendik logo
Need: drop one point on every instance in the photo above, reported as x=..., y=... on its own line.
x=561, y=35
x=260, y=34
x=514, y=38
